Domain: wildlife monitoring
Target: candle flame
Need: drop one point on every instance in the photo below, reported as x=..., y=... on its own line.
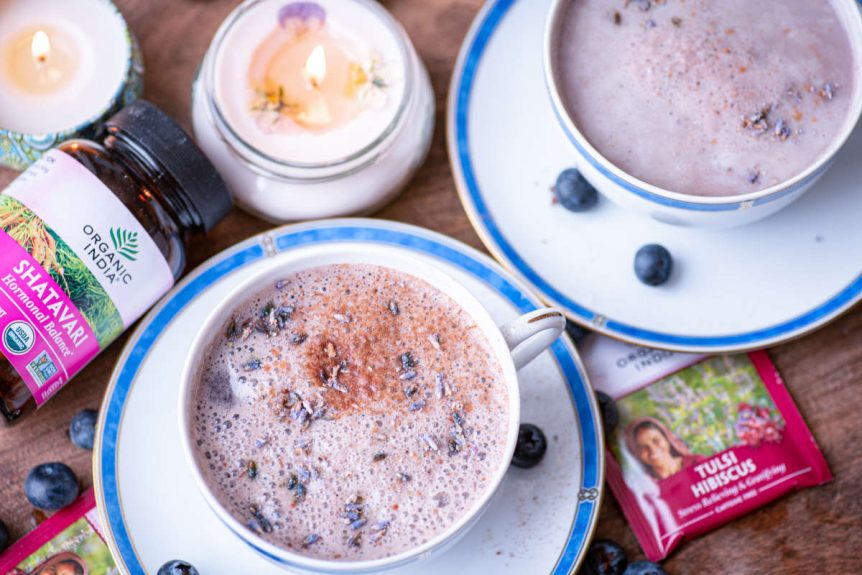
x=41, y=46
x=315, y=67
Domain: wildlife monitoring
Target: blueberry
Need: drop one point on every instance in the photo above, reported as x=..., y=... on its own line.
x=605, y=558
x=177, y=567
x=644, y=568
x=82, y=430
x=531, y=446
x=51, y=486
x=574, y=192
x=4, y=537
x=653, y=264
x=576, y=332
x=610, y=415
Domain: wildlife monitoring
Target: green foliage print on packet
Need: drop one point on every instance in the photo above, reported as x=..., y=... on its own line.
x=65, y=268
x=80, y=539
x=699, y=404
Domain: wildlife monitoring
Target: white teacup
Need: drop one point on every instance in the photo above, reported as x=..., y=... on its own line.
x=686, y=209
x=516, y=344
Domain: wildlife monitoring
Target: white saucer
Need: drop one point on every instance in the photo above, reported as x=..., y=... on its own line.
x=152, y=512
x=736, y=289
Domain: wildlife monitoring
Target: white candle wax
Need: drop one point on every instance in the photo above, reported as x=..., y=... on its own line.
x=314, y=135
x=90, y=40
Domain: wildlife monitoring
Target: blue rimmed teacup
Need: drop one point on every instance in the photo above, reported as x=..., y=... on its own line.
x=514, y=344
x=103, y=24
x=687, y=209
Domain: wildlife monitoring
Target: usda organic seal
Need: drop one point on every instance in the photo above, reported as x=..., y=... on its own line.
x=18, y=337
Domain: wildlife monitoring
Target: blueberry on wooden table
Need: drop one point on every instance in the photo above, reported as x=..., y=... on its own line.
x=610, y=414
x=644, y=568
x=4, y=537
x=531, y=446
x=177, y=567
x=574, y=192
x=51, y=486
x=82, y=429
x=653, y=264
x=605, y=558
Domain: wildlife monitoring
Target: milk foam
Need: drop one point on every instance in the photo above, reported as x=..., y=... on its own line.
x=666, y=90
x=401, y=447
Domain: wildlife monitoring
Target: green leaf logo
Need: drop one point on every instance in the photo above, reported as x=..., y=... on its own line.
x=126, y=243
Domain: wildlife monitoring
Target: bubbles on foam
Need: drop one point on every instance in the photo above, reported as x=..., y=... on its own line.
x=342, y=447
x=701, y=78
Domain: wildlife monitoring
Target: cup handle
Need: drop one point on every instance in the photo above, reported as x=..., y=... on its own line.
x=533, y=333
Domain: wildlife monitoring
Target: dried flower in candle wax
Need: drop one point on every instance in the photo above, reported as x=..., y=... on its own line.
x=272, y=101
x=370, y=81
x=299, y=17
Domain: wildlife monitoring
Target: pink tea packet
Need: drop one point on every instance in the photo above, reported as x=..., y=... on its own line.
x=701, y=440
x=70, y=542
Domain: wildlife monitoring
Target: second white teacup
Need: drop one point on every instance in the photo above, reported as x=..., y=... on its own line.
x=668, y=205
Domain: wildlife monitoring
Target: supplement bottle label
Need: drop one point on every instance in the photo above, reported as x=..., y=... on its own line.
x=76, y=269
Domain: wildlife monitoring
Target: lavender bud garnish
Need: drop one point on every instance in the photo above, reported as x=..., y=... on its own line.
x=393, y=307
x=358, y=524
x=310, y=540
x=302, y=15
x=251, y=469
x=429, y=442
x=407, y=361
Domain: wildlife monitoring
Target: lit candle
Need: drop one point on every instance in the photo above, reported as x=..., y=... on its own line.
x=310, y=82
x=42, y=62
x=63, y=66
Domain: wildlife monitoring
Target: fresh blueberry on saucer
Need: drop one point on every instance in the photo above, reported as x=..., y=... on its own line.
x=653, y=264
x=610, y=415
x=51, y=486
x=177, y=567
x=4, y=537
x=574, y=192
x=531, y=446
x=605, y=558
x=644, y=568
x=82, y=429
x=576, y=332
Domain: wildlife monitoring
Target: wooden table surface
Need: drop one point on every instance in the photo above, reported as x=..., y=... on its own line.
x=815, y=531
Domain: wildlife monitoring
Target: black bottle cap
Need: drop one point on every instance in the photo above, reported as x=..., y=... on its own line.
x=201, y=187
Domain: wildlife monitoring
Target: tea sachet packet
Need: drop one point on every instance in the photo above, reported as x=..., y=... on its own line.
x=70, y=542
x=701, y=440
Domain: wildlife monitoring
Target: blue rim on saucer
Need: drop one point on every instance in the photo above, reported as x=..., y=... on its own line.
x=105, y=460
x=18, y=150
x=475, y=201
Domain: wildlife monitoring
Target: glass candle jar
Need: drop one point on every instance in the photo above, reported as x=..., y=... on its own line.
x=313, y=109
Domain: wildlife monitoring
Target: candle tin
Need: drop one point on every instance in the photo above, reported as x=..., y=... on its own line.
x=19, y=149
x=357, y=183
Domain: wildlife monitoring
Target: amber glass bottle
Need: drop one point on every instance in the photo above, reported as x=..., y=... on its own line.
x=91, y=236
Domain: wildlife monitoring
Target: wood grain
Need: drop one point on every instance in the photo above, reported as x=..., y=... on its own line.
x=815, y=531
